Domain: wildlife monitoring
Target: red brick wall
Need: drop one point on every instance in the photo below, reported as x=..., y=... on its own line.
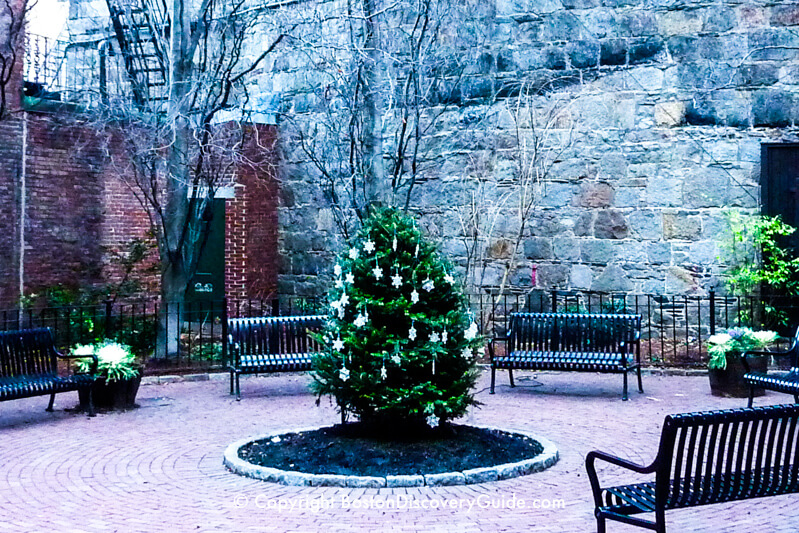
x=251, y=259
x=81, y=210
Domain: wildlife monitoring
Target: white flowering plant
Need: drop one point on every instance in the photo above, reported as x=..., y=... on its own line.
x=736, y=341
x=115, y=361
x=400, y=339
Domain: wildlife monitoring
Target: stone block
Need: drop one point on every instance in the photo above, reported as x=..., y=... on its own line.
x=404, y=481
x=566, y=248
x=610, y=224
x=785, y=15
x=757, y=74
x=658, y=253
x=629, y=197
x=596, y=251
x=773, y=44
x=719, y=20
x=773, y=108
x=595, y=195
x=664, y=192
x=538, y=249
x=670, y=114
x=581, y=277
x=583, y=54
x=552, y=276
x=557, y=194
x=702, y=253
x=681, y=281
x=637, y=23
x=613, y=52
x=584, y=226
x=599, y=22
x=706, y=188
x=645, y=50
x=680, y=22
x=681, y=226
x=646, y=79
x=366, y=482
x=481, y=475
x=612, y=279
x=445, y=479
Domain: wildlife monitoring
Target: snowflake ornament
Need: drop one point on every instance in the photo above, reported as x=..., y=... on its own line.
x=394, y=244
x=369, y=246
x=353, y=253
x=434, y=337
x=344, y=299
x=396, y=359
x=449, y=279
x=412, y=333
x=339, y=283
x=344, y=374
x=444, y=336
x=377, y=272
x=337, y=270
x=432, y=421
x=414, y=297
x=383, y=372
x=349, y=278
x=471, y=332
x=466, y=353
x=428, y=285
x=361, y=320
x=396, y=280
x=338, y=344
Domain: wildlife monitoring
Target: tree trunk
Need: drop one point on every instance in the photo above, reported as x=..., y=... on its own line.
x=374, y=178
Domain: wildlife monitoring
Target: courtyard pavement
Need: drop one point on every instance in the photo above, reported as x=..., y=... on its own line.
x=159, y=467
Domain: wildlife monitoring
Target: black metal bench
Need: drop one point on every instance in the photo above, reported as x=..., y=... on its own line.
x=270, y=344
x=570, y=341
x=705, y=458
x=787, y=382
x=29, y=367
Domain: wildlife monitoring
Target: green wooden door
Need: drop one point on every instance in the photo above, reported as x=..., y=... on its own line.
x=208, y=283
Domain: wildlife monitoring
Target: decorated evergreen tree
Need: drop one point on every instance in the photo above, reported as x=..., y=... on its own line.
x=400, y=338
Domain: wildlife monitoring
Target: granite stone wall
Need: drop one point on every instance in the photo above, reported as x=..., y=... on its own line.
x=660, y=107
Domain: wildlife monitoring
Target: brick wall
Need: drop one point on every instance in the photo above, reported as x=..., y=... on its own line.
x=81, y=211
x=251, y=260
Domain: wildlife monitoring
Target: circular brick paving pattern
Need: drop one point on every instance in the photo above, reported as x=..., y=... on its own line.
x=159, y=468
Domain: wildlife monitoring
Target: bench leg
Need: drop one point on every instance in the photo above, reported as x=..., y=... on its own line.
x=796, y=398
x=600, y=524
x=510, y=375
x=751, y=395
x=91, y=403
x=640, y=384
x=624, y=393
x=493, y=377
x=52, y=400
x=232, y=382
x=238, y=387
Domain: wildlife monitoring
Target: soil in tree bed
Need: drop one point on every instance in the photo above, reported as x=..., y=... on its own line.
x=346, y=450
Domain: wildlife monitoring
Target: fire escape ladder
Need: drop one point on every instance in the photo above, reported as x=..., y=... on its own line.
x=142, y=30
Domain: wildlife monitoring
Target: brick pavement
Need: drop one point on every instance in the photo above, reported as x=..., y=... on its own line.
x=159, y=468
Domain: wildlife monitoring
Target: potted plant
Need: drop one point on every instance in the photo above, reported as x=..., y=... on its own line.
x=118, y=374
x=726, y=368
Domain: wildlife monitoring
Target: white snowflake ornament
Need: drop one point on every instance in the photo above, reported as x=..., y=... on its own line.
x=428, y=285
x=349, y=278
x=383, y=372
x=344, y=299
x=471, y=332
x=466, y=353
x=396, y=359
x=338, y=344
x=337, y=270
x=412, y=333
x=369, y=246
x=396, y=281
x=414, y=296
x=444, y=336
x=432, y=421
x=434, y=337
x=361, y=320
x=339, y=283
x=377, y=272
x=344, y=374
x=353, y=253
x=449, y=279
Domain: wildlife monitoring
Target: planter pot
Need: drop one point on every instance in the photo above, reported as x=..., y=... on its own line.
x=729, y=383
x=120, y=394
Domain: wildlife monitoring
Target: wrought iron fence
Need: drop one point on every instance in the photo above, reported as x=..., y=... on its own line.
x=674, y=333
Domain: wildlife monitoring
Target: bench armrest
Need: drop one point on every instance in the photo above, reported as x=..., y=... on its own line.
x=767, y=353
x=491, y=345
x=93, y=357
x=590, y=467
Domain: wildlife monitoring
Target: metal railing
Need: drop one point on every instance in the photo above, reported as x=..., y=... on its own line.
x=188, y=336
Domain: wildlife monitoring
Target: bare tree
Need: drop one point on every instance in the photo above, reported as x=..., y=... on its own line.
x=389, y=79
x=184, y=142
x=12, y=35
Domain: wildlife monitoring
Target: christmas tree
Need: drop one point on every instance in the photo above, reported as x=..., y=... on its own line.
x=400, y=337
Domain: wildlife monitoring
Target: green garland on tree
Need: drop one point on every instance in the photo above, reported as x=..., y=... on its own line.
x=400, y=338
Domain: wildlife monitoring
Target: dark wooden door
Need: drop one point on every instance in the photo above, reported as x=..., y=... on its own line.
x=779, y=183
x=208, y=283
